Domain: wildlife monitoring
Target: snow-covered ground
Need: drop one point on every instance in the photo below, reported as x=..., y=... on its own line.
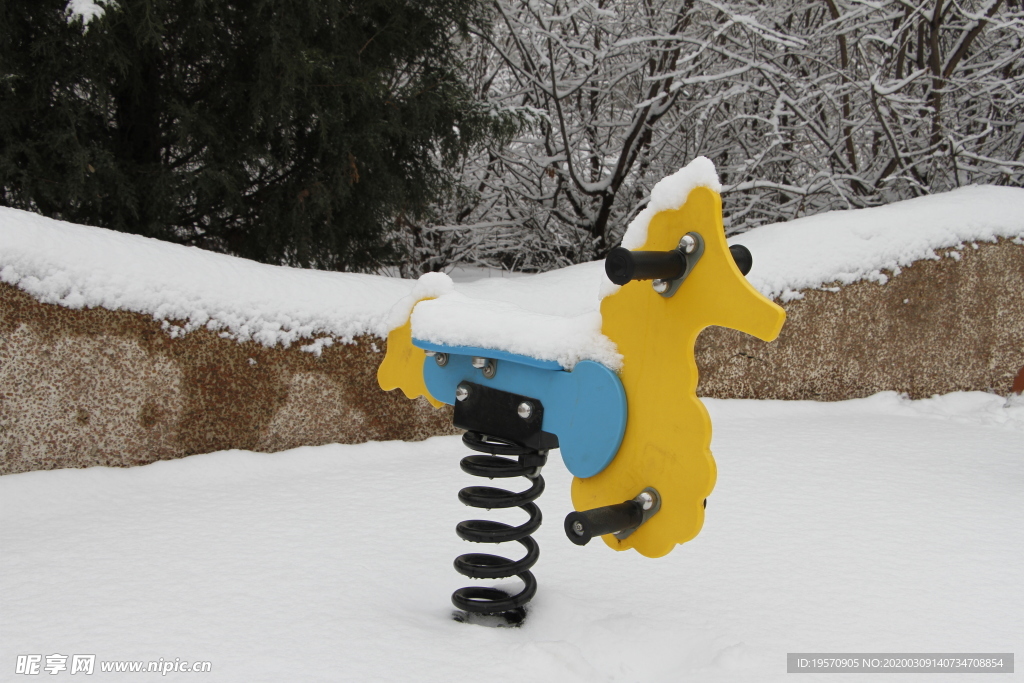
x=871, y=525
x=877, y=524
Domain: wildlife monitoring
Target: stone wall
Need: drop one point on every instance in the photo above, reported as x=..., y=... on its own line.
x=98, y=387
x=952, y=324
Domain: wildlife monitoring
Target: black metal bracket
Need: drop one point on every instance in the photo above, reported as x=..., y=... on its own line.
x=502, y=414
x=690, y=257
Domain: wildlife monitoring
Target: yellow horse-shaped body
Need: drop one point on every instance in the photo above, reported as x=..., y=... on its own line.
x=668, y=432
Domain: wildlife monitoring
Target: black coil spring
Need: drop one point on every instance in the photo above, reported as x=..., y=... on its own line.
x=528, y=462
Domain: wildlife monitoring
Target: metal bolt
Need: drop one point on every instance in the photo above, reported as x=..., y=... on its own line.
x=688, y=243
x=488, y=366
x=577, y=528
x=525, y=410
x=660, y=286
x=461, y=392
x=646, y=500
x=441, y=359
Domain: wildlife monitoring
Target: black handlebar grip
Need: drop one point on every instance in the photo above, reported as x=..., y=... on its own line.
x=580, y=527
x=743, y=258
x=623, y=265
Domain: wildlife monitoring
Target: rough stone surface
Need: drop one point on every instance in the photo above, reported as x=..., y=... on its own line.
x=952, y=324
x=97, y=387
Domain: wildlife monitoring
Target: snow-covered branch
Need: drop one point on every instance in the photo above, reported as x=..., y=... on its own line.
x=804, y=106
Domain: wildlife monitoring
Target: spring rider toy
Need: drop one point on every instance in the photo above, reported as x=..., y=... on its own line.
x=636, y=440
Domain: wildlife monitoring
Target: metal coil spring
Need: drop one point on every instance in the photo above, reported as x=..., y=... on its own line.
x=528, y=463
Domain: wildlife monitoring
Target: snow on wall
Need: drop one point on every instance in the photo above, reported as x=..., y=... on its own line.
x=553, y=316
x=847, y=246
x=85, y=267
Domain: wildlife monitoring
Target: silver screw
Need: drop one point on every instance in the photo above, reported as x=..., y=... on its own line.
x=646, y=500
x=461, y=392
x=488, y=366
x=525, y=410
x=660, y=286
x=441, y=359
x=577, y=528
x=688, y=243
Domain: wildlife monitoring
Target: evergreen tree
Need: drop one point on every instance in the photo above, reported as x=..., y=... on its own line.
x=287, y=131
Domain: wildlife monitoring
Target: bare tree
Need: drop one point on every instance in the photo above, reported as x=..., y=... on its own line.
x=804, y=106
x=883, y=101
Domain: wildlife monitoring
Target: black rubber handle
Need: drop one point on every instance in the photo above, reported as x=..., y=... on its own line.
x=580, y=527
x=743, y=258
x=623, y=265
